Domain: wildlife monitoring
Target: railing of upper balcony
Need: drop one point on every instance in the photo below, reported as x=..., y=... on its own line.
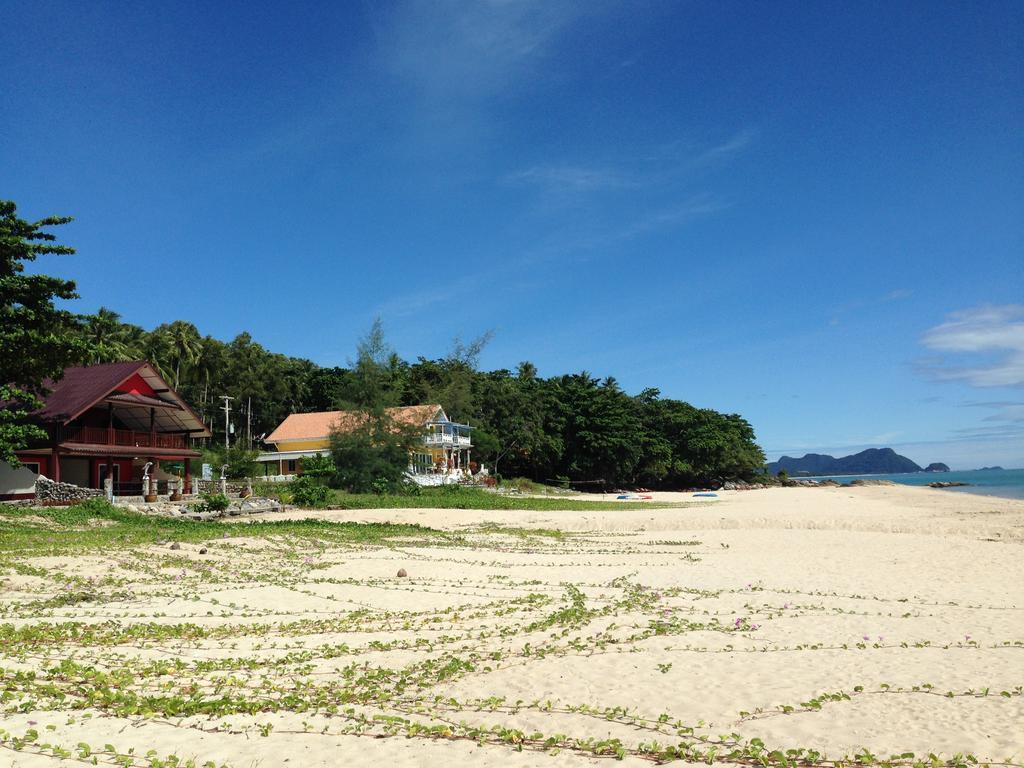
x=122, y=437
x=442, y=439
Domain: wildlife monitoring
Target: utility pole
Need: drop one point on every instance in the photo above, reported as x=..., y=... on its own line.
x=227, y=423
x=248, y=422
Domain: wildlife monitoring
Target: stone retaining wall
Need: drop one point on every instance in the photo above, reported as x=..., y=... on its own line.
x=51, y=492
x=235, y=487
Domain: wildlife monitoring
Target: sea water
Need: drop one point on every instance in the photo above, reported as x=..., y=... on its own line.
x=1008, y=483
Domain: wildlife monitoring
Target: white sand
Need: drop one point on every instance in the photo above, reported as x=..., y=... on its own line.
x=834, y=589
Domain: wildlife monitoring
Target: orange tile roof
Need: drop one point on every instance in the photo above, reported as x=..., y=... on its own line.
x=318, y=426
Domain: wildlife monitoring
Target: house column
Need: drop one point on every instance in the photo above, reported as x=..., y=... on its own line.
x=56, y=466
x=188, y=475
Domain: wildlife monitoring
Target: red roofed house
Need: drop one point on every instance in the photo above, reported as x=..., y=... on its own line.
x=107, y=418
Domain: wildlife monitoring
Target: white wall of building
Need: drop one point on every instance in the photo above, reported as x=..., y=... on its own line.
x=20, y=480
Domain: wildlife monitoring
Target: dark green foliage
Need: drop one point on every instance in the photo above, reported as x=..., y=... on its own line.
x=240, y=461
x=373, y=457
x=574, y=426
x=212, y=502
x=35, y=342
x=318, y=465
x=307, y=492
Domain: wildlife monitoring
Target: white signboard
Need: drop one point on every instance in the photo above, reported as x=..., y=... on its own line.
x=207, y=472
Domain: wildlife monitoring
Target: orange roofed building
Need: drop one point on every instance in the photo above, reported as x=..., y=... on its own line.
x=444, y=450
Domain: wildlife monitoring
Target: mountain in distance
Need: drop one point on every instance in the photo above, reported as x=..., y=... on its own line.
x=937, y=466
x=990, y=469
x=873, y=461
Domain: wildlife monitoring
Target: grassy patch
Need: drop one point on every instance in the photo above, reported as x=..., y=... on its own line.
x=458, y=497
x=522, y=533
x=98, y=525
x=525, y=485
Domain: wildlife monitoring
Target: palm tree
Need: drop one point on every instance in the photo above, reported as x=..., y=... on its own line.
x=106, y=336
x=183, y=345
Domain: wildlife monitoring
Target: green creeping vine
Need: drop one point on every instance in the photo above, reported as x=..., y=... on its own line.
x=107, y=755
x=182, y=637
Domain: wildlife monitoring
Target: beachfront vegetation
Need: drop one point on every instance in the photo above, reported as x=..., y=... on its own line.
x=443, y=497
x=576, y=426
x=372, y=457
x=36, y=338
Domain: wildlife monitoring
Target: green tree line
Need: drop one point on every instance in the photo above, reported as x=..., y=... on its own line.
x=573, y=426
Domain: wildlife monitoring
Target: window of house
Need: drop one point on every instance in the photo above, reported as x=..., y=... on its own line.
x=31, y=465
x=291, y=465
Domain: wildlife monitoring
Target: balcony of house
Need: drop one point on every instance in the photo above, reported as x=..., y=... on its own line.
x=127, y=438
x=447, y=435
x=447, y=441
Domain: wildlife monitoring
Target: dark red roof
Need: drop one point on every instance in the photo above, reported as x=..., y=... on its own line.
x=136, y=399
x=102, y=449
x=81, y=387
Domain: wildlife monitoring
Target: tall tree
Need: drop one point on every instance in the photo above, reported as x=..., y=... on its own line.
x=374, y=386
x=107, y=336
x=37, y=340
x=184, y=346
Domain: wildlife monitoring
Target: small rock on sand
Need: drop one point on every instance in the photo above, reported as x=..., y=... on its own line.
x=401, y=573
x=203, y=551
x=175, y=545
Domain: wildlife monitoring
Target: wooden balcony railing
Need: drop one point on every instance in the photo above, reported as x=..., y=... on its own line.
x=122, y=437
x=434, y=438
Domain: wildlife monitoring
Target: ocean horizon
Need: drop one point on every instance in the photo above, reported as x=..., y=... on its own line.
x=1006, y=483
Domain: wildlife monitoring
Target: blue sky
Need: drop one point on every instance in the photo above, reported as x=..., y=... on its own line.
x=810, y=215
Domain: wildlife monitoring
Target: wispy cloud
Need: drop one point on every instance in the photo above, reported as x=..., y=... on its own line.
x=897, y=294
x=727, y=149
x=662, y=165
x=985, y=346
x=695, y=207
x=1002, y=410
x=575, y=179
x=451, y=51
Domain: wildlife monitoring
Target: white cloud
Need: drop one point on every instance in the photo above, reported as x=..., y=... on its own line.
x=660, y=165
x=858, y=304
x=1002, y=411
x=727, y=149
x=700, y=205
x=996, y=333
x=468, y=50
x=575, y=179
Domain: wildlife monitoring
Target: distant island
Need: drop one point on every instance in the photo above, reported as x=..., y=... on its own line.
x=989, y=469
x=873, y=461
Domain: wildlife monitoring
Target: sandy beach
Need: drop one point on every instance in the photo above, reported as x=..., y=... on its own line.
x=829, y=621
